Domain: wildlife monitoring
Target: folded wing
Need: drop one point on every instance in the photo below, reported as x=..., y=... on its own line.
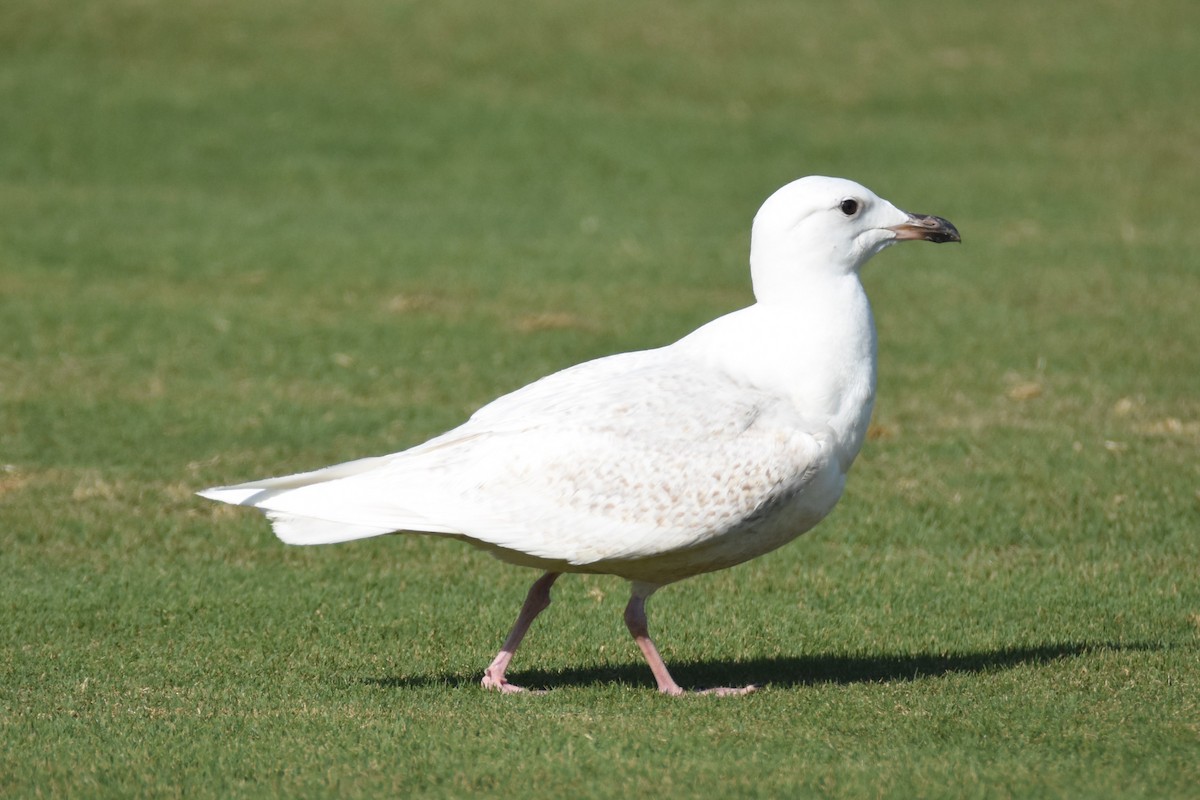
x=626, y=457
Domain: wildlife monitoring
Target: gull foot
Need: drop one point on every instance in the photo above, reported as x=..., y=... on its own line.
x=729, y=691
x=502, y=686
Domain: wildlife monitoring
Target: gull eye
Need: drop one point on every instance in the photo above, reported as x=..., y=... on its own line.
x=849, y=206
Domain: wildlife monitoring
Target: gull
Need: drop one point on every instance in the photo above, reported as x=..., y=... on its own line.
x=653, y=465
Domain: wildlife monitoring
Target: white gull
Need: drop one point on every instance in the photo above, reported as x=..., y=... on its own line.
x=653, y=465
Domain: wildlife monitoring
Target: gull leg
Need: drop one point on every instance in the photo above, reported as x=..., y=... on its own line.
x=635, y=620
x=536, y=602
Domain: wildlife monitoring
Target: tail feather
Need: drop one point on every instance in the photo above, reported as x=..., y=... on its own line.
x=292, y=529
x=335, y=504
x=254, y=493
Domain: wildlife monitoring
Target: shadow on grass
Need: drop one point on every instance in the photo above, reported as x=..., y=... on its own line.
x=788, y=671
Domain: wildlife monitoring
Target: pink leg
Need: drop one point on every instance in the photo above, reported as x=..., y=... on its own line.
x=537, y=601
x=635, y=620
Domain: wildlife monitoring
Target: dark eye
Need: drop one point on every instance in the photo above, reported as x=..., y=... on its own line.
x=849, y=206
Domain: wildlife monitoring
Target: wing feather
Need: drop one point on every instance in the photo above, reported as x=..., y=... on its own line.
x=626, y=457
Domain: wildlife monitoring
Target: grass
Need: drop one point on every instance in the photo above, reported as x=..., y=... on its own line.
x=246, y=239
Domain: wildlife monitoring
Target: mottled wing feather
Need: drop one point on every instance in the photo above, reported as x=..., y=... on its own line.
x=626, y=457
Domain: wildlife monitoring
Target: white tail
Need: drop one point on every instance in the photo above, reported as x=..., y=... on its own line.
x=319, y=507
x=308, y=530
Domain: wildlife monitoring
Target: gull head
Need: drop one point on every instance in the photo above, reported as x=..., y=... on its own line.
x=829, y=226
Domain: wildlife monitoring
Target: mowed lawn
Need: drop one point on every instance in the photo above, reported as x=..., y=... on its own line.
x=244, y=239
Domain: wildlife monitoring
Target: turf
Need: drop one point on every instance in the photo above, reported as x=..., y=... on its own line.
x=242, y=239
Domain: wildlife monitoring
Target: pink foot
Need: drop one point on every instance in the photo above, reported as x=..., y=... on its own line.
x=499, y=684
x=727, y=691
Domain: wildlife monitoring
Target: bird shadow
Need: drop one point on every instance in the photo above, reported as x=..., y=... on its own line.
x=788, y=671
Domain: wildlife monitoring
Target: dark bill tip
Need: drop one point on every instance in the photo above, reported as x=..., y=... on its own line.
x=928, y=228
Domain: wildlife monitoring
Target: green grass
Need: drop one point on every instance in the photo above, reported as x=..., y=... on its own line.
x=242, y=239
